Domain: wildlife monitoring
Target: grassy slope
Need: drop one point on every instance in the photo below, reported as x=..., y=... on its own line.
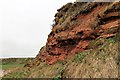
x=8, y=63
x=13, y=64
x=101, y=61
x=10, y=66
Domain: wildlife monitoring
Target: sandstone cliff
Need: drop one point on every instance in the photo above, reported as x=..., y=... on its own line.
x=76, y=26
x=83, y=43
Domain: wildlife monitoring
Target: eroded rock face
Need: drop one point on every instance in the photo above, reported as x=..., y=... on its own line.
x=76, y=25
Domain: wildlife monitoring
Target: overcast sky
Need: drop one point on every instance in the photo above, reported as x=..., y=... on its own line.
x=25, y=25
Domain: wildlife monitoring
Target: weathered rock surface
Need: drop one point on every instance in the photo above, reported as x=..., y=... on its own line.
x=84, y=43
x=76, y=25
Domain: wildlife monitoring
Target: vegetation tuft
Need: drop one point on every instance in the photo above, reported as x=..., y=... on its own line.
x=80, y=56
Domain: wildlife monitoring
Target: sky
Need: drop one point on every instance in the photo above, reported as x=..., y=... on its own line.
x=25, y=25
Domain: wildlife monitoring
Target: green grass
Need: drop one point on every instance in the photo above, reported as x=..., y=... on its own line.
x=80, y=56
x=9, y=63
x=9, y=66
x=111, y=40
x=58, y=77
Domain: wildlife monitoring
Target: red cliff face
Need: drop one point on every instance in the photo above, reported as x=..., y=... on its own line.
x=76, y=25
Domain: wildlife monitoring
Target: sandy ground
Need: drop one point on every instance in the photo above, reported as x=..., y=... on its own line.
x=1, y=73
x=5, y=72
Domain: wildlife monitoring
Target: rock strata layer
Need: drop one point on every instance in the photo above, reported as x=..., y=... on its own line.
x=76, y=25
